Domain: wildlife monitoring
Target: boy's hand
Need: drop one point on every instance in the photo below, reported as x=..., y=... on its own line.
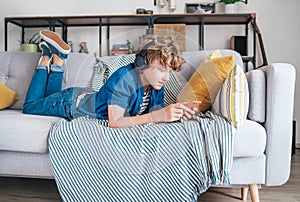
x=174, y=112
x=192, y=108
x=170, y=113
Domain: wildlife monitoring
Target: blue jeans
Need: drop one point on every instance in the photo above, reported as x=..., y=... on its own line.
x=44, y=95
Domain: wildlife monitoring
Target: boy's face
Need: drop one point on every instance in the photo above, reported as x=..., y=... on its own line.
x=156, y=75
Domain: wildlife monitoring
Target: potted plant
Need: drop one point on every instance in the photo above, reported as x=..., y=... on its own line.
x=230, y=6
x=31, y=44
x=231, y=1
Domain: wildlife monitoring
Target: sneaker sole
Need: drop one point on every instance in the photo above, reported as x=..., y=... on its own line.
x=55, y=40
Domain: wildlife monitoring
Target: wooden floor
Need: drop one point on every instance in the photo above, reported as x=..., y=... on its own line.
x=37, y=190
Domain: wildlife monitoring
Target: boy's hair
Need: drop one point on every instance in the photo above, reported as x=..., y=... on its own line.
x=163, y=49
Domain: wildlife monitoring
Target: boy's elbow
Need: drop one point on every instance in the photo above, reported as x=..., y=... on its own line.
x=113, y=124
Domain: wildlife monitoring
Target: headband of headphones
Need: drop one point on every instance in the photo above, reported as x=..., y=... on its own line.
x=141, y=61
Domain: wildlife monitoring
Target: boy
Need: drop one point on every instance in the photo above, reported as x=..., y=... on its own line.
x=132, y=95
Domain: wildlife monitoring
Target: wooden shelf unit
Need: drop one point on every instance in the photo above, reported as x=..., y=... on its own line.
x=147, y=20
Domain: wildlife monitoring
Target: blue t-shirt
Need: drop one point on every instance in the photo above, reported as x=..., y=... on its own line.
x=124, y=88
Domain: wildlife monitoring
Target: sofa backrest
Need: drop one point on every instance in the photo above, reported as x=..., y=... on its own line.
x=17, y=68
x=194, y=58
x=256, y=80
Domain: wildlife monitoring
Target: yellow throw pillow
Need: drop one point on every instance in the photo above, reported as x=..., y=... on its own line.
x=7, y=96
x=216, y=54
x=206, y=81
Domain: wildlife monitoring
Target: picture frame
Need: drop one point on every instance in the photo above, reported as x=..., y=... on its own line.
x=200, y=7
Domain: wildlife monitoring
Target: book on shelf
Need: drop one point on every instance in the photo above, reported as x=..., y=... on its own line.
x=120, y=46
x=121, y=49
x=120, y=52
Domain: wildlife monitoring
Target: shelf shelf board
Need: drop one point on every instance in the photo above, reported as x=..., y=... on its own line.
x=125, y=20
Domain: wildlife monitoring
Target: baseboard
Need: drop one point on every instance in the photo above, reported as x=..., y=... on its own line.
x=297, y=145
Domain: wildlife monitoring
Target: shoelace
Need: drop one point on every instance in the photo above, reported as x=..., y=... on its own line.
x=48, y=65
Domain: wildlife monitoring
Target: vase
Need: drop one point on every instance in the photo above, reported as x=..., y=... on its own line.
x=230, y=8
x=29, y=47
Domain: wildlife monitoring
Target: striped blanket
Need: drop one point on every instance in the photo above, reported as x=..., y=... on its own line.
x=155, y=162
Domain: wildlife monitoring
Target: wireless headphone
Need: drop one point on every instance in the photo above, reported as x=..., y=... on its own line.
x=141, y=61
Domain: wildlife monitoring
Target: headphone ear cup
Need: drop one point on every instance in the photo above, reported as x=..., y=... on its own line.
x=140, y=62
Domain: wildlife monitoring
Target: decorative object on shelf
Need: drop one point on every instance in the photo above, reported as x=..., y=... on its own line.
x=121, y=49
x=230, y=8
x=70, y=43
x=83, y=47
x=143, y=11
x=130, y=46
x=176, y=31
x=232, y=1
x=230, y=5
x=161, y=3
x=200, y=7
x=148, y=12
x=140, y=11
x=171, y=4
x=31, y=44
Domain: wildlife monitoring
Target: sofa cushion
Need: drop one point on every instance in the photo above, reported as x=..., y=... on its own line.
x=8, y=96
x=192, y=60
x=232, y=101
x=176, y=82
x=257, y=86
x=249, y=140
x=206, y=81
x=24, y=132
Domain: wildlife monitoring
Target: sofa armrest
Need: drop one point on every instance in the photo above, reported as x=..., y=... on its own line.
x=280, y=80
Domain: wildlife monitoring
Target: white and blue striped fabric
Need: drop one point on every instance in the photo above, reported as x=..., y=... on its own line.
x=155, y=162
x=107, y=65
x=172, y=90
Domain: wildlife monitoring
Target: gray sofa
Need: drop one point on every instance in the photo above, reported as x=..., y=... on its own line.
x=262, y=146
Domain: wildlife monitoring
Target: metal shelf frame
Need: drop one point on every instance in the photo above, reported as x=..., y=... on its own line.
x=148, y=20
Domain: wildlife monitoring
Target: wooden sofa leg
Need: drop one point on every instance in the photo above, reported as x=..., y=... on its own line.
x=244, y=193
x=254, y=192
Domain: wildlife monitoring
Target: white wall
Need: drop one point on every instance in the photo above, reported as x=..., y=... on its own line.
x=278, y=21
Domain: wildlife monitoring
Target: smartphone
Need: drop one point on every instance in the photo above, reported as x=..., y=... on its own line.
x=193, y=104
